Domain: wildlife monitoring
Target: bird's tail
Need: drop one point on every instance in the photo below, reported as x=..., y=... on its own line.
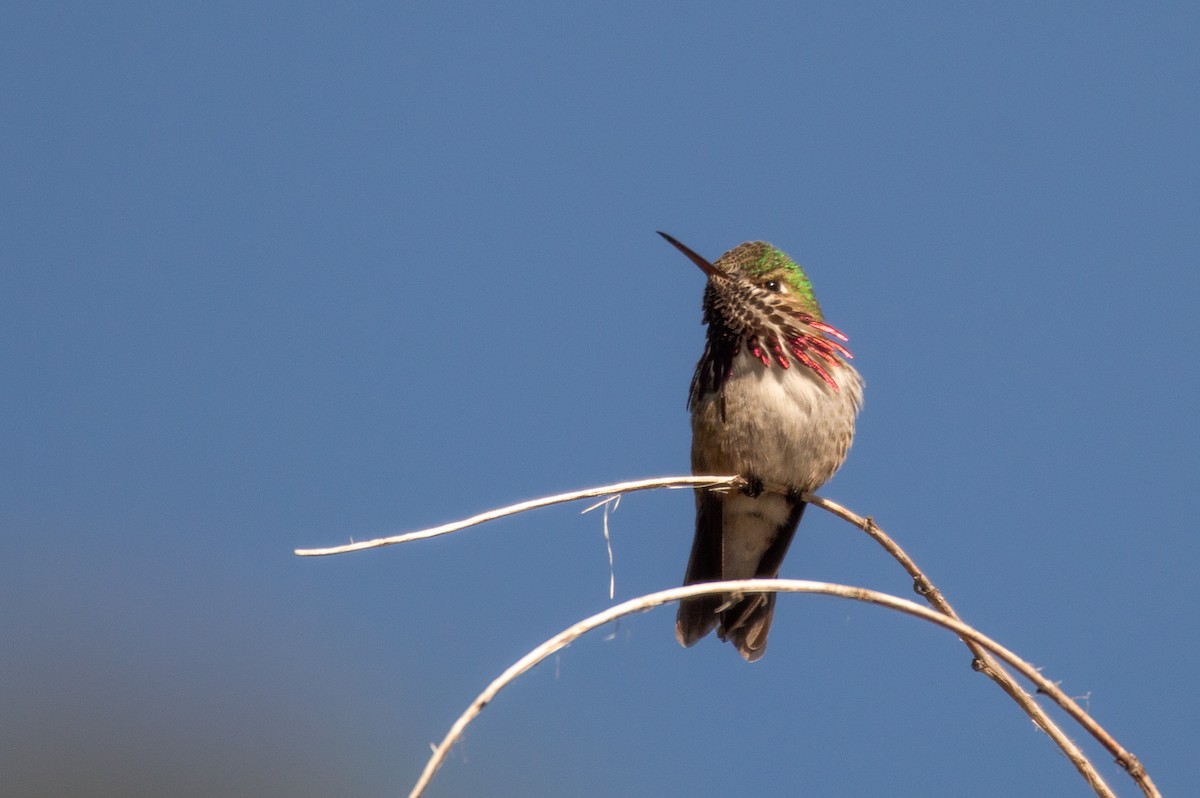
x=743, y=621
x=697, y=616
x=746, y=623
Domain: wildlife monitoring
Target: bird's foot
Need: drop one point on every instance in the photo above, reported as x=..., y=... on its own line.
x=753, y=487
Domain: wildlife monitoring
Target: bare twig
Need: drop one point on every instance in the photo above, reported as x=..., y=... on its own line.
x=642, y=603
x=987, y=665
x=532, y=504
x=983, y=661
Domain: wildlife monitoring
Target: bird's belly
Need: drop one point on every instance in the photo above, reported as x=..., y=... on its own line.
x=782, y=426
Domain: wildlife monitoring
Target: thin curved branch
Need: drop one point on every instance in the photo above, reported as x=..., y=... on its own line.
x=532, y=504
x=983, y=661
x=987, y=665
x=642, y=603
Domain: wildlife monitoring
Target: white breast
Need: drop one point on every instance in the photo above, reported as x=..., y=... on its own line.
x=783, y=426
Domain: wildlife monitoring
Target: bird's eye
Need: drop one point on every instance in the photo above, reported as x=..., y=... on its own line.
x=776, y=287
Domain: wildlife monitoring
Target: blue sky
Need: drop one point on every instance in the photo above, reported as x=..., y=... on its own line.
x=276, y=275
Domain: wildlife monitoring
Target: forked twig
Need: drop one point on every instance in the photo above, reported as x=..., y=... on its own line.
x=987, y=665
x=984, y=662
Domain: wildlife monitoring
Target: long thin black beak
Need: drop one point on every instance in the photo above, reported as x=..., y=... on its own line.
x=705, y=266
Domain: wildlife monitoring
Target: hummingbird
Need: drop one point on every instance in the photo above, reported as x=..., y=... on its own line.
x=773, y=399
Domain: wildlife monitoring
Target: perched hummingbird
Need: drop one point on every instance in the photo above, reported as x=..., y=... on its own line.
x=773, y=399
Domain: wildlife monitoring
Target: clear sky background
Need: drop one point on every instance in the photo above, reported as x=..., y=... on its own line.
x=275, y=275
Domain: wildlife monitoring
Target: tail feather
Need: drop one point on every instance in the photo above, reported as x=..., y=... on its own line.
x=742, y=621
x=747, y=623
x=697, y=616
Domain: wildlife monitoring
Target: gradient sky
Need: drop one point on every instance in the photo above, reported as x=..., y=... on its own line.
x=279, y=274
